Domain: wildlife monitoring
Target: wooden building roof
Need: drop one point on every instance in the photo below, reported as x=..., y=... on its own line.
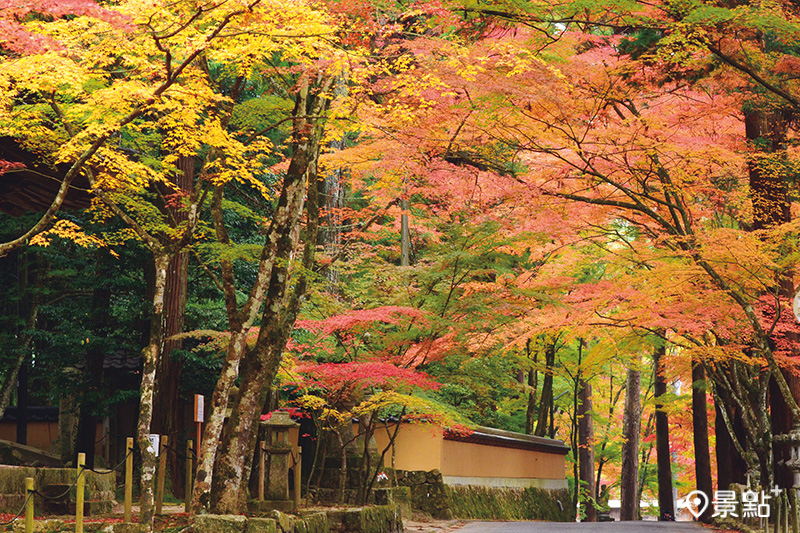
x=33, y=188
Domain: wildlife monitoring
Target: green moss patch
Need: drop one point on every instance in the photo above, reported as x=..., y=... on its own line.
x=488, y=503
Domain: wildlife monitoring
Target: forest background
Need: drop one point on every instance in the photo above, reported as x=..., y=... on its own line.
x=577, y=219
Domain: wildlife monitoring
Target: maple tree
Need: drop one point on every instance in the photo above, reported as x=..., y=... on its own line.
x=641, y=156
x=544, y=193
x=366, y=382
x=168, y=101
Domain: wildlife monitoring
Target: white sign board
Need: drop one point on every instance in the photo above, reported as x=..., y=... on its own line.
x=199, y=407
x=154, y=444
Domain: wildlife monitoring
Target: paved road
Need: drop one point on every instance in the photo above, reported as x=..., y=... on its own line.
x=571, y=527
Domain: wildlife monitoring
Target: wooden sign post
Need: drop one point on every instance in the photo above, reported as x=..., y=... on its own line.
x=199, y=411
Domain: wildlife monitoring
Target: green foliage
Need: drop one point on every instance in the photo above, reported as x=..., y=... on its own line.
x=68, y=280
x=259, y=113
x=710, y=15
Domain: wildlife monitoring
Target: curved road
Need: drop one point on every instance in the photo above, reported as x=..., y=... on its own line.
x=572, y=527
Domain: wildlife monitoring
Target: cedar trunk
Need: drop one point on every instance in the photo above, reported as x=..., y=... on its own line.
x=665, y=500
x=632, y=424
x=546, y=399
x=168, y=413
x=586, y=448
x=766, y=130
x=702, y=461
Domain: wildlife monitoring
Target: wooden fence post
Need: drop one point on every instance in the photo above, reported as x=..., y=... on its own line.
x=29, y=505
x=128, y=478
x=162, y=467
x=187, y=505
x=298, y=466
x=262, y=455
x=80, y=486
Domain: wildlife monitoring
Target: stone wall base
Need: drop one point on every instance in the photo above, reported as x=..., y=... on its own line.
x=430, y=493
x=371, y=519
x=492, y=503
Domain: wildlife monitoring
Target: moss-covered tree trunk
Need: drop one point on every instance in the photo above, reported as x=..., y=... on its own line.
x=150, y=356
x=260, y=364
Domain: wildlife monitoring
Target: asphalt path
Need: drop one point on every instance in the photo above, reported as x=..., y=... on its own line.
x=572, y=527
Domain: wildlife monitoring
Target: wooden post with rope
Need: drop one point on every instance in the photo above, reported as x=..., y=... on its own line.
x=162, y=468
x=79, y=496
x=187, y=505
x=29, y=505
x=128, y=479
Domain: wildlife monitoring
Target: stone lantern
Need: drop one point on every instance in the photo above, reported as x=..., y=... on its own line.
x=793, y=463
x=278, y=455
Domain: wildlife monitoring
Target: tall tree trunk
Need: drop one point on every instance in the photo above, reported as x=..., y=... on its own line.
x=168, y=413
x=532, y=386
x=240, y=319
x=150, y=356
x=702, y=461
x=546, y=399
x=280, y=310
x=530, y=411
x=586, y=445
x=731, y=467
x=333, y=200
x=632, y=425
x=766, y=130
x=665, y=500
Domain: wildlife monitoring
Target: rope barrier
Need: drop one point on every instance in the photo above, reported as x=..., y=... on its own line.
x=111, y=471
x=179, y=454
x=30, y=495
x=80, y=473
x=66, y=492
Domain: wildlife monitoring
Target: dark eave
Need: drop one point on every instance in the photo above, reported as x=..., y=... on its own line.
x=507, y=439
x=32, y=414
x=33, y=188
